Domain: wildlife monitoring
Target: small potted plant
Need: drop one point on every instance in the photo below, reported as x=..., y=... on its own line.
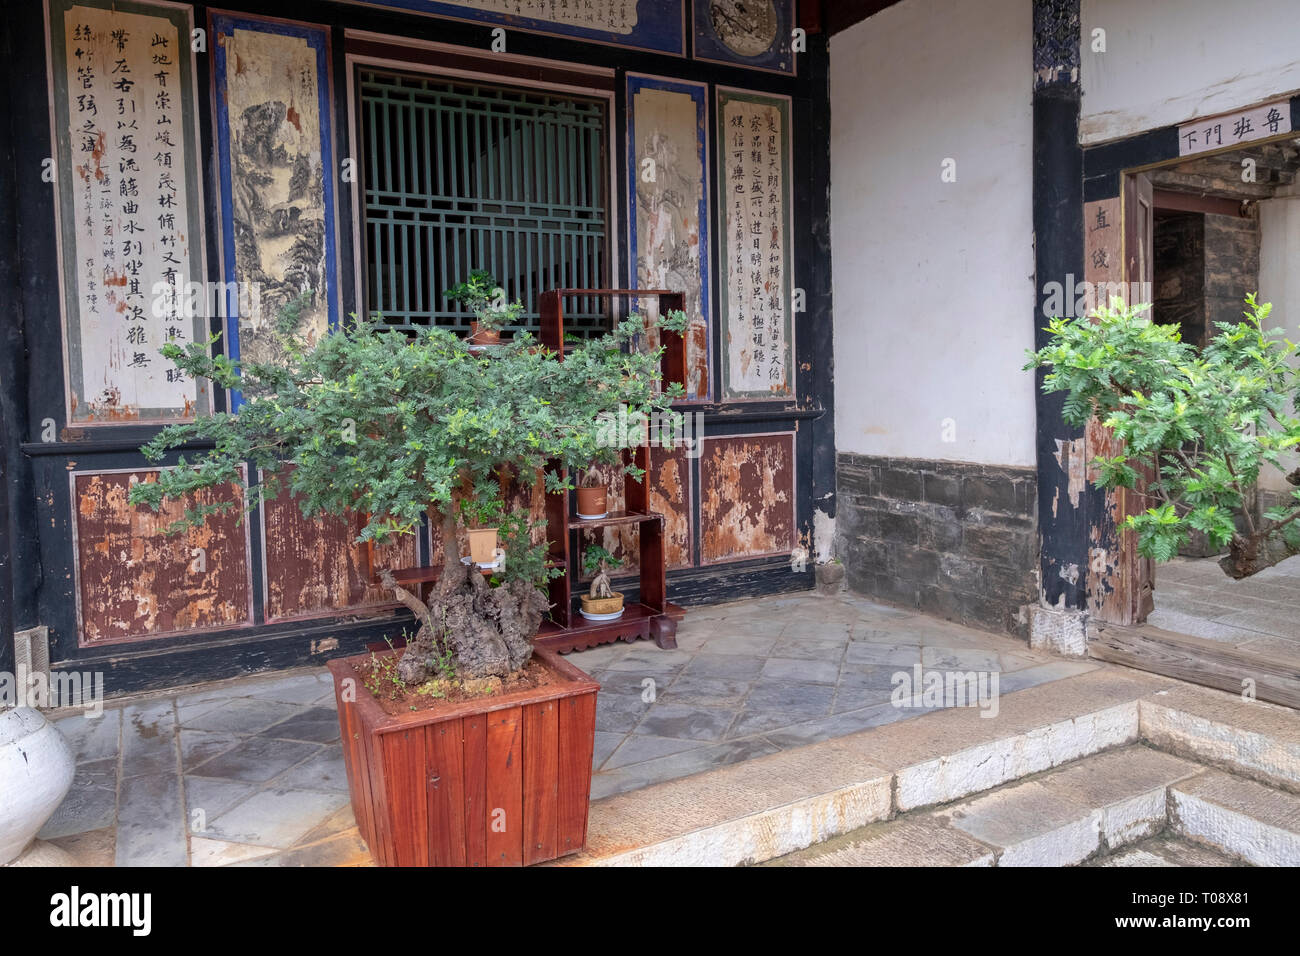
x=482, y=296
x=482, y=512
x=601, y=602
x=593, y=496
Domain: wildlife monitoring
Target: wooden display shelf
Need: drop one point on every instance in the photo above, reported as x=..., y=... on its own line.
x=613, y=519
x=654, y=616
x=639, y=622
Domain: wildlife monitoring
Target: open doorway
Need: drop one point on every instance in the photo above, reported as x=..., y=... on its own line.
x=1215, y=228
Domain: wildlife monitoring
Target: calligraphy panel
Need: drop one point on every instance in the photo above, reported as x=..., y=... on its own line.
x=129, y=208
x=754, y=33
x=747, y=497
x=275, y=150
x=668, y=229
x=658, y=25
x=754, y=192
x=135, y=581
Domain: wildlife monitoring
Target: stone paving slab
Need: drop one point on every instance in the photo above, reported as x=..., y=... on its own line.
x=1242, y=816
x=1248, y=737
x=924, y=841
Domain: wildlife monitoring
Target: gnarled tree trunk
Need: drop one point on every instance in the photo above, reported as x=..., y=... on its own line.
x=484, y=631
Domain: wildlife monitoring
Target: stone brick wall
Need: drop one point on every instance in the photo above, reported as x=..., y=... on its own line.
x=1231, y=267
x=952, y=539
x=1179, y=254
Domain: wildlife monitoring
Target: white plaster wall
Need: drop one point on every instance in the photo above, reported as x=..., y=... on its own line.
x=933, y=281
x=1170, y=61
x=1279, y=283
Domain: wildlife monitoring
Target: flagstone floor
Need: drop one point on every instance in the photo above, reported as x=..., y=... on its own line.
x=250, y=772
x=1193, y=596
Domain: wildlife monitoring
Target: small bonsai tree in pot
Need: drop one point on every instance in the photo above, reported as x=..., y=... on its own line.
x=487, y=301
x=1198, y=426
x=601, y=602
x=482, y=512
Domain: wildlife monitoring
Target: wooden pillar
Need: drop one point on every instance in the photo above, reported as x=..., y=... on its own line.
x=15, y=609
x=1058, y=258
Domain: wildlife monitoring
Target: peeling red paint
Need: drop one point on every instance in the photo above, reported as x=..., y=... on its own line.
x=137, y=582
x=747, y=505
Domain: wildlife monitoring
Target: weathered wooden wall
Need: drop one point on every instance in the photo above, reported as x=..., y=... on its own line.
x=134, y=580
x=747, y=497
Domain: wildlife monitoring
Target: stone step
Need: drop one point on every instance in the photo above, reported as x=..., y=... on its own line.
x=1058, y=818
x=1249, y=738
x=774, y=805
x=1241, y=817
x=1166, y=850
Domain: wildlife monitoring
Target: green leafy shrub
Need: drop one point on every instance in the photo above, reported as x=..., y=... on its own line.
x=1200, y=425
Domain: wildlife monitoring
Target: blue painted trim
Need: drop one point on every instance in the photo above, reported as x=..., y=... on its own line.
x=699, y=93
x=661, y=24
x=318, y=39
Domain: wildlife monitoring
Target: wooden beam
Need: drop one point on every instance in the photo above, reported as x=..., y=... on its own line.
x=1194, y=659
x=1168, y=199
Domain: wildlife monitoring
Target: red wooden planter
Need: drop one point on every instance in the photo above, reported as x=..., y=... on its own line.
x=501, y=781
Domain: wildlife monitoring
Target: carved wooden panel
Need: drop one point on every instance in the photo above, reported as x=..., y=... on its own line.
x=134, y=581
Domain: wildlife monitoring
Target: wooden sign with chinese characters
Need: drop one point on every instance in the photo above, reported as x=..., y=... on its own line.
x=129, y=207
x=668, y=230
x=753, y=190
x=1103, y=267
x=658, y=25
x=1230, y=129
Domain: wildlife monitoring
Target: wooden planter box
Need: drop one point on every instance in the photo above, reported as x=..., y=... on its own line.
x=502, y=781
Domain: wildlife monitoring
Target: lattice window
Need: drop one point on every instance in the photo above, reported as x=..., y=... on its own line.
x=461, y=176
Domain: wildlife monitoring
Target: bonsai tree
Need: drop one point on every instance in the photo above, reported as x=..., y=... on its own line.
x=596, y=560
x=482, y=296
x=1200, y=425
x=392, y=426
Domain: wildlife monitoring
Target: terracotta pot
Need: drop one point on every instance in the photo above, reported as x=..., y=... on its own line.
x=592, y=502
x=36, y=768
x=478, y=336
x=483, y=545
x=428, y=787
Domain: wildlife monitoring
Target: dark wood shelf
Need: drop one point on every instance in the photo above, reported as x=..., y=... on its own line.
x=653, y=617
x=612, y=519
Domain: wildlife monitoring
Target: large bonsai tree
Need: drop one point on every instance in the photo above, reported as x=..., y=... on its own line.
x=396, y=426
x=1198, y=426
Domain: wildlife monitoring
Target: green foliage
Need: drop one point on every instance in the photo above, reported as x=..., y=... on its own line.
x=595, y=555
x=482, y=296
x=1200, y=424
x=483, y=507
x=390, y=425
x=525, y=561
